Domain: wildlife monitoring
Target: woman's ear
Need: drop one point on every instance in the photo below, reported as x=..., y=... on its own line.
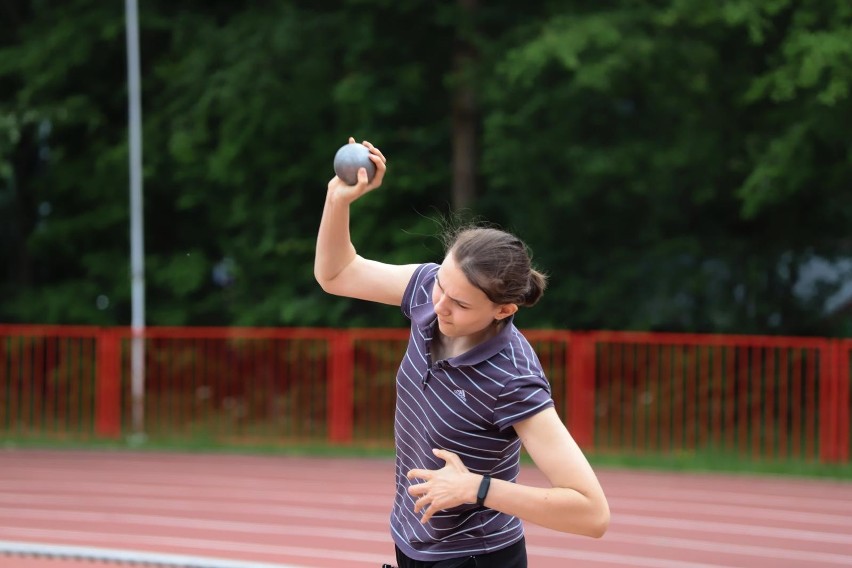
x=506, y=310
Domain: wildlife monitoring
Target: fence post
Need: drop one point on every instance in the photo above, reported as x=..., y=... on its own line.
x=340, y=387
x=581, y=388
x=834, y=409
x=844, y=354
x=845, y=424
x=107, y=385
x=826, y=384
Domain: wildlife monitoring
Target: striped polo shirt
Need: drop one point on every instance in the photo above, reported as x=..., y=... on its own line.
x=467, y=405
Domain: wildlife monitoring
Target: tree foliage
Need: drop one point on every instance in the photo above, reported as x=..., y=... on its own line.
x=693, y=153
x=673, y=164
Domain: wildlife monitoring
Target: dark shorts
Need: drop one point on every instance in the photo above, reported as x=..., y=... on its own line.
x=514, y=556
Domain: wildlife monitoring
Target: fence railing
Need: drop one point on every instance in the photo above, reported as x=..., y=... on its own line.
x=760, y=397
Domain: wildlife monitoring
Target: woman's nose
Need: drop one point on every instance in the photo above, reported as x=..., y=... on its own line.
x=441, y=305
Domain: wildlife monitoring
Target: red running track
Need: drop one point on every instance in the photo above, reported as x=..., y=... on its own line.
x=323, y=512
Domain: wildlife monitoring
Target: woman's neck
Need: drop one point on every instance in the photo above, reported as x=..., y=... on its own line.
x=448, y=347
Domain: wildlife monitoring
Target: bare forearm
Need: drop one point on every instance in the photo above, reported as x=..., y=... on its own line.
x=334, y=249
x=557, y=508
x=574, y=502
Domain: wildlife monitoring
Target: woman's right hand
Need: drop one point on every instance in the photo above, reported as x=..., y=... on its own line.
x=339, y=189
x=338, y=267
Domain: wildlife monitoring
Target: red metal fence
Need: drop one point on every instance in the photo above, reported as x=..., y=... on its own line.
x=762, y=397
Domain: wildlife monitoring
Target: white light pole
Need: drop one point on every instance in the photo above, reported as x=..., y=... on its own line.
x=137, y=233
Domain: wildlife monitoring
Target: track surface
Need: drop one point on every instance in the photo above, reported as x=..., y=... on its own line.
x=320, y=513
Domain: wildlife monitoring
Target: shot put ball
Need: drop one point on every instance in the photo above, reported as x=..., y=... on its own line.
x=351, y=157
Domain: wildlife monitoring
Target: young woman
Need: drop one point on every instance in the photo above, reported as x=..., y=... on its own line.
x=470, y=392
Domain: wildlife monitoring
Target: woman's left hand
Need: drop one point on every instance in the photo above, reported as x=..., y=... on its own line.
x=444, y=488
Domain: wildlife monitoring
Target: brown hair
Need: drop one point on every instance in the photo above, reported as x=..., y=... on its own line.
x=498, y=263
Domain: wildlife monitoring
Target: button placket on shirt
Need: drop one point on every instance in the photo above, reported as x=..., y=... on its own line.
x=430, y=370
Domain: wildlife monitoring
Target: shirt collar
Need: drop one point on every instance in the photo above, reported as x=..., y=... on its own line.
x=487, y=348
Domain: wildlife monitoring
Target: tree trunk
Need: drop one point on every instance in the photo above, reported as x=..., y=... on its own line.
x=24, y=165
x=465, y=114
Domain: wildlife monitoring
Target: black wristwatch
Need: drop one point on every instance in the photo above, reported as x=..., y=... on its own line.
x=483, y=490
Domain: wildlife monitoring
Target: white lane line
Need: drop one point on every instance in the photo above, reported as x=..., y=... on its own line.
x=269, y=468
x=190, y=521
x=732, y=528
x=841, y=502
x=808, y=558
x=187, y=508
x=253, y=528
x=116, y=520
x=742, y=511
x=215, y=470
x=96, y=554
x=25, y=502
x=613, y=558
x=191, y=491
x=722, y=496
x=350, y=557
x=219, y=545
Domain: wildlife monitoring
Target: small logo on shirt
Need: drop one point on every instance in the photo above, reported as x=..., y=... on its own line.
x=460, y=393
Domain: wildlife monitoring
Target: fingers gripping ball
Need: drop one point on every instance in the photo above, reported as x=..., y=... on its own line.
x=349, y=159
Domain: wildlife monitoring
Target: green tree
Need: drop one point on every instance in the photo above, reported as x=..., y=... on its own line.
x=673, y=164
x=250, y=115
x=688, y=157
x=63, y=160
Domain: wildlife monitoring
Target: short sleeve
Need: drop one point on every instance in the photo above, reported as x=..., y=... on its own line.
x=418, y=292
x=522, y=398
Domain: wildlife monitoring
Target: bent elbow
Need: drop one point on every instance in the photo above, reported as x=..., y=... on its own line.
x=332, y=277
x=327, y=284
x=600, y=523
x=336, y=287
x=599, y=528
x=321, y=281
x=594, y=522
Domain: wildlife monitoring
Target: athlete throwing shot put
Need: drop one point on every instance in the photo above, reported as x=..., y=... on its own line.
x=470, y=392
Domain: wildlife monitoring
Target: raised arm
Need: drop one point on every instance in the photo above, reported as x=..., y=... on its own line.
x=338, y=268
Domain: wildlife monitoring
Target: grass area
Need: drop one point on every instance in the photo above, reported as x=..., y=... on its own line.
x=201, y=446
x=713, y=462
x=694, y=462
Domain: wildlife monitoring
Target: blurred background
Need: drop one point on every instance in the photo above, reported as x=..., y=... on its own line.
x=681, y=171
x=674, y=165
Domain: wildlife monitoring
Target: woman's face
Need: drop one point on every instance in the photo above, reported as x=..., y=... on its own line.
x=462, y=308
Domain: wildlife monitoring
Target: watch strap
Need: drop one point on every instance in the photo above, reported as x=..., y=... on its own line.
x=483, y=490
